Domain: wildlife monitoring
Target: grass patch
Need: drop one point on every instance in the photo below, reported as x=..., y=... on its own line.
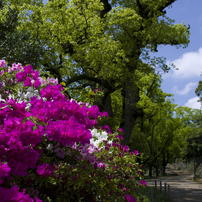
x=158, y=196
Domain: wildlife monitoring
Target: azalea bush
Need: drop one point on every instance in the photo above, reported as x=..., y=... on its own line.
x=51, y=150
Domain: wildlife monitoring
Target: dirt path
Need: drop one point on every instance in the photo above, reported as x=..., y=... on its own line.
x=181, y=188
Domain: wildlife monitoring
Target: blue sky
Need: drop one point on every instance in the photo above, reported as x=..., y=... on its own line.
x=183, y=82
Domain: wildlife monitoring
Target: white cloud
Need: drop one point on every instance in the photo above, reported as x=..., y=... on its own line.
x=186, y=90
x=193, y=103
x=189, y=65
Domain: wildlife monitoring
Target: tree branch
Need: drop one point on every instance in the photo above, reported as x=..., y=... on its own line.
x=147, y=12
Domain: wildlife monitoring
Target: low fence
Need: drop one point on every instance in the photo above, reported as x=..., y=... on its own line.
x=163, y=187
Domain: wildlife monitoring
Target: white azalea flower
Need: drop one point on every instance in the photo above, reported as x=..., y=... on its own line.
x=31, y=93
x=49, y=147
x=99, y=137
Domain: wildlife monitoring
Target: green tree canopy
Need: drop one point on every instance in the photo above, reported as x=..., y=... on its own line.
x=100, y=42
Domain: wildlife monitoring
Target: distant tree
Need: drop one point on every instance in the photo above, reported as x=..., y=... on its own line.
x=195, y=136
x=198, y=91
x=161, y=134
x=15, y=45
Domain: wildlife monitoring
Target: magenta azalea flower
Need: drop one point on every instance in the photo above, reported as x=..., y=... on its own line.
x=130, y=198
x=136, y=152
x=120, y=130
x=126, y=148
x=14, y=143
x=35, y=74
x=28, y=69
x=3, y=64
x=20, y=76
x=13, y=194
x=28, y=82
x=143, y=183
x=73, y=178
x=45, y=170
x=4, y=170
x=20, y=169
x=52, y=92
x=37, y=83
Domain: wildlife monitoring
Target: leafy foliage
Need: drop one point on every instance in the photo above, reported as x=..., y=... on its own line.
x=89, y=43
x=15, y=45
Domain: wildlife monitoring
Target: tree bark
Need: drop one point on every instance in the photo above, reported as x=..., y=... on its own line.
x=105, y=103
x=164, y=165
x=130, y=111
x=150, y=170
x=157, y=169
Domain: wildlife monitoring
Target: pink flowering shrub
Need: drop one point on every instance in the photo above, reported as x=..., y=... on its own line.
x=45, y=149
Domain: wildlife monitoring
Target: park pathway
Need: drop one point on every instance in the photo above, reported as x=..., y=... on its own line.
x=182, y=189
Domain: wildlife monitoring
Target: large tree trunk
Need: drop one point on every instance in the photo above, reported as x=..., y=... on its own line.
x=105, y=103
x=164, y=165
x=108, y=106
x=130, y=95
x=157, y=169
x=150, y=170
